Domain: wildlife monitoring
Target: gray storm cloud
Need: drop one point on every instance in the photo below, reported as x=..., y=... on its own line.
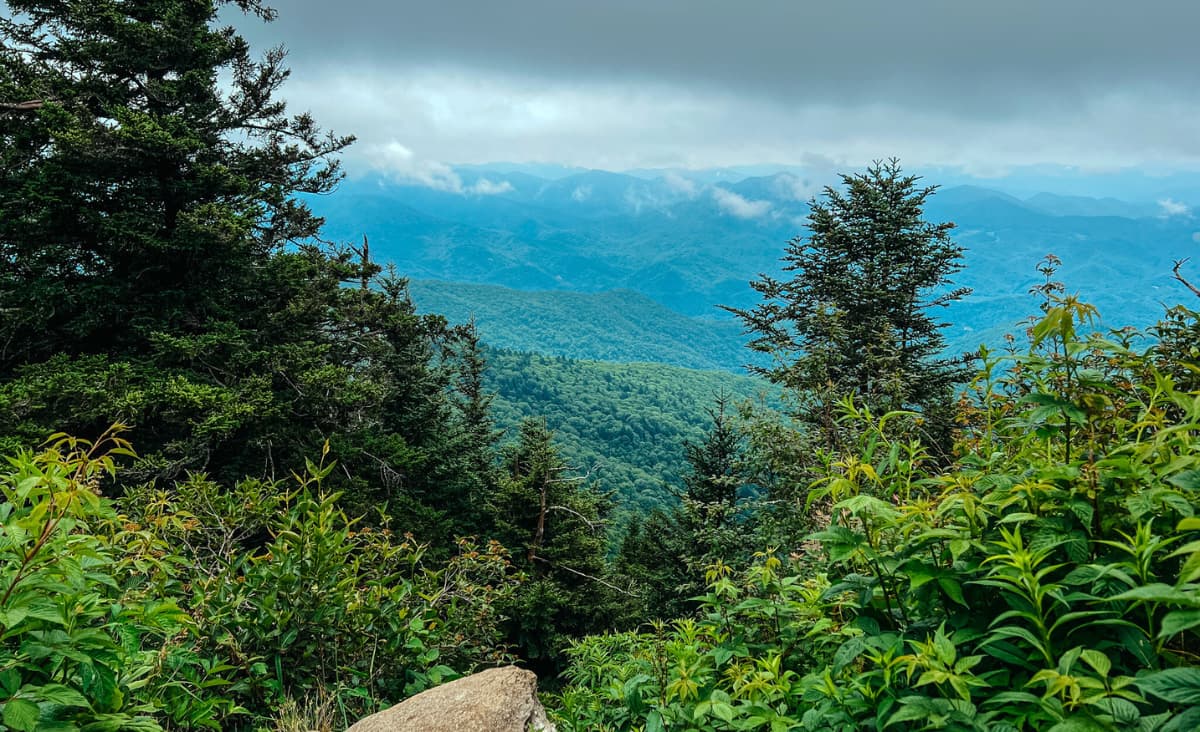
x=626, y=83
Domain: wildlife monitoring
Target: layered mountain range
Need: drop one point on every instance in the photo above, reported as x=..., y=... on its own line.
x=633, y=267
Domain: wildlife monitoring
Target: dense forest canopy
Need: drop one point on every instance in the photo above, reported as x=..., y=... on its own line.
x=249, y=485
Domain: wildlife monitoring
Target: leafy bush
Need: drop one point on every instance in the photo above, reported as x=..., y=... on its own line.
x=733, y=667
x=206, y=607
x=300, y=599
x=86, y=643
x=1048, y=578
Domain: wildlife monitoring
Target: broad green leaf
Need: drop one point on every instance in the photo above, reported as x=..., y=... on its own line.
x=1079, y=723
x=21, y=714
x=1178, y=621
x=1175, y=685
x=654, y=722
x=953, y=589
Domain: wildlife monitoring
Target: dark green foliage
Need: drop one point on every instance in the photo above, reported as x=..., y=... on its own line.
x=136, y=198
x=157, y=269
x=855, y=316
x=554, y=522
x=628, y=421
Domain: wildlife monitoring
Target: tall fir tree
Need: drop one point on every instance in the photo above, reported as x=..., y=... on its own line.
x=666, y=552
x=554, y=522
x=856, y=316
x=158, y=265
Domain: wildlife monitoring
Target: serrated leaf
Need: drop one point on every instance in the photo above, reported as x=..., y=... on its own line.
x=1188, y=480
x=64, y=695
x=20, y=714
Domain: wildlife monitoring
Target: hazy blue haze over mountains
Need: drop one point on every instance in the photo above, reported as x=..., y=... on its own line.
x=691, y=242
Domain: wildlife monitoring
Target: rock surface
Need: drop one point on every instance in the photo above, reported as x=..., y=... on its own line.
x=495, y=700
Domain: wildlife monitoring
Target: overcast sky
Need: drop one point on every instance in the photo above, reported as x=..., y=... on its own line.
x=618, y=84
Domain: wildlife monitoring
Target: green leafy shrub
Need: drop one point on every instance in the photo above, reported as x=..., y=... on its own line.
x=735, y=666
x=86, y=643
x=1046, y=579
x=301, y=599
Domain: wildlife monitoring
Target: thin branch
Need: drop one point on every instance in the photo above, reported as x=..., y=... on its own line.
x=585, y=576
x=593, y=525
x=27, y=106
x=1179, y=263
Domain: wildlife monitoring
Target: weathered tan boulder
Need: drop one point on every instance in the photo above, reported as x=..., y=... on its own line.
x=495, y=700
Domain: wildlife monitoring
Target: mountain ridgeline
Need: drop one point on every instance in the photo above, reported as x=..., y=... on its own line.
x=692, y=242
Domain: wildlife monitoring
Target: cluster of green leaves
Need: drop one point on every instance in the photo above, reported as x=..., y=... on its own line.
x=1047, y=578
x=731, y=667
x=87, y=643
x=199, y=606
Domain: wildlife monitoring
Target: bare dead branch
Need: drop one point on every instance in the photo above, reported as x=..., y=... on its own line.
x=1178, y=264
x=576, y=572
x=593, y=525
x=26, y=106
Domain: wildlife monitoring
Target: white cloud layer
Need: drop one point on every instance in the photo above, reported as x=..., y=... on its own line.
x=981, y=87
x=1170, y=207
x=737, y=205
x=400, y=163
x=476, y=117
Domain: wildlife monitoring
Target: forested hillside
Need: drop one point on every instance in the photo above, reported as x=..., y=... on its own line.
x=620, y=325
x=625, y=424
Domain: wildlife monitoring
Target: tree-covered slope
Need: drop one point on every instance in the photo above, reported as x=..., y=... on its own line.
x=619, y=325
x=625, y=422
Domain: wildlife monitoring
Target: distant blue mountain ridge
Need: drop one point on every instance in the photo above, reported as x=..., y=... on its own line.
x=632, y=267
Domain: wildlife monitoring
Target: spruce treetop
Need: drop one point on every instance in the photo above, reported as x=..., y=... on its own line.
x=857, y=313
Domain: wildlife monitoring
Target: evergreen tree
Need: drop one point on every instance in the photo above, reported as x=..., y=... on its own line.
x=667, y=552
x=158, y=268
x=136, y=197
x=855, y=317
x=554, y=524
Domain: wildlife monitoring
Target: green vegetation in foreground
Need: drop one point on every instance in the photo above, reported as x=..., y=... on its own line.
x=625, y=422
x=1047, y=578
x=617, y=325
